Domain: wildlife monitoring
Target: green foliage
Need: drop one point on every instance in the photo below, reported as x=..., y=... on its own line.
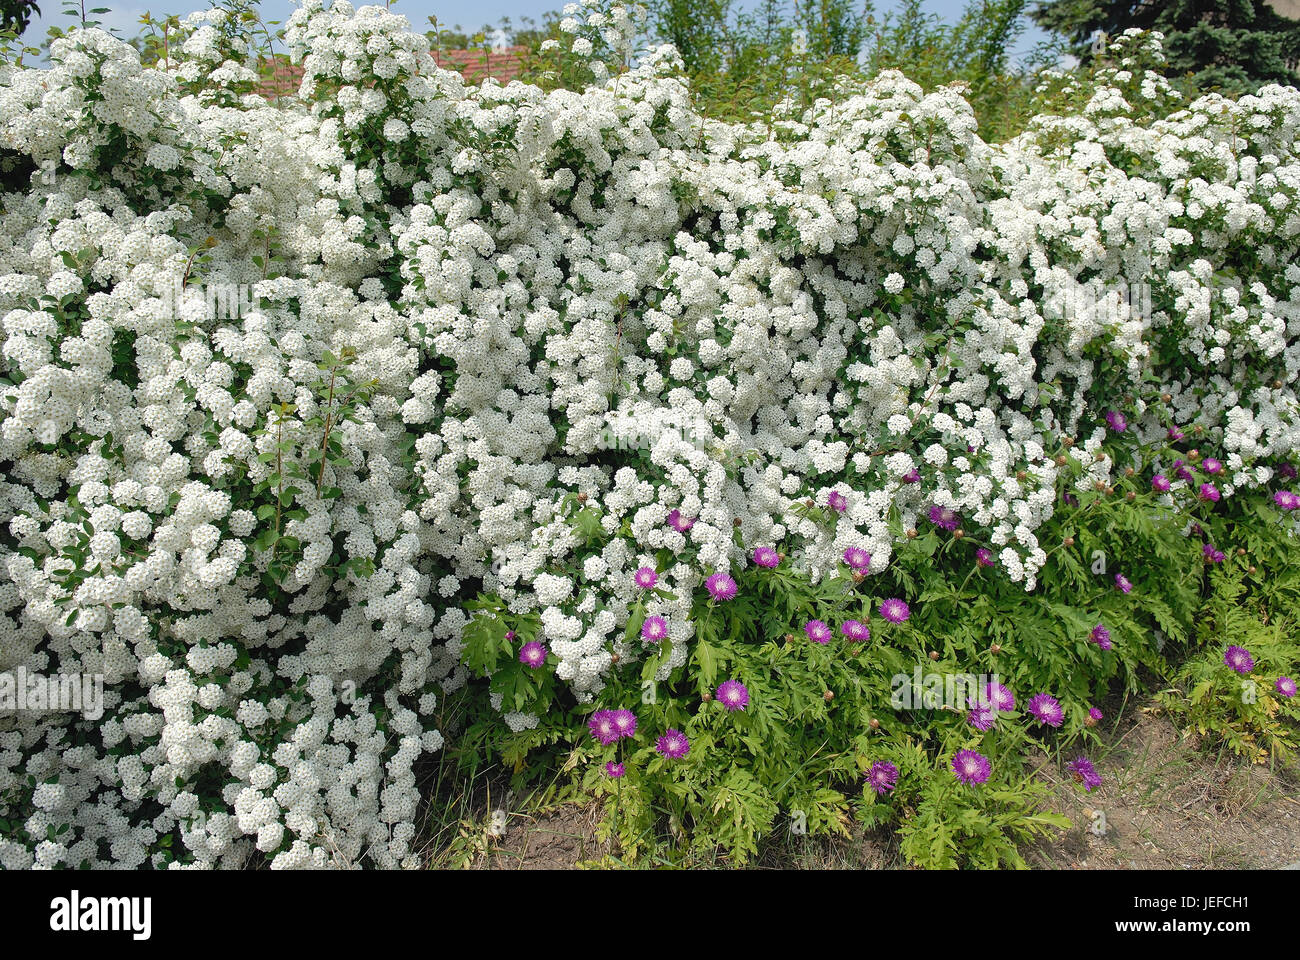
x=819, y=715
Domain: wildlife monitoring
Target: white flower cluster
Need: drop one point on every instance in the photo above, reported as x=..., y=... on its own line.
x=266, y=550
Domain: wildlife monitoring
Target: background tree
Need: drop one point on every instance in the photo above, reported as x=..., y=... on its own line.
x=16, y=14
x=1230, y=45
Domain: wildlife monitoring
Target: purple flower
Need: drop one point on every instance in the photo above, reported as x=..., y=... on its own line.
x=1095, y=714
x=1047, y=709
x=882, y=777
x=732, y=694
x=1284, y=686
x=855, y=630
x=1208, y=491
x=721, y=586
x=603, y=727
x=837, y=501
x=1160, y=483
x=766, y=557
x=1123, y=582
x=944, y=517
x=533, y=654
x=981, y=718
x=857, y=558
x=1286, y=500
x=984, y=557
x=1115, y=420
x=510, y=634
x=1286, y=471
x=912, y=476
x=1239, y=659
x=654, y=629
x=817, y=631
x=678, y=522
x=673, y=745
x=1175, y=434
x=999, y=697
x=971, y=767
x=624, y=722
x=1213, y=555
x=645, y=578
x=1100, y=636
x=1182, y=473
x=615, y=770
x=895, y=610
x=1084, y=772
x=1210, y=465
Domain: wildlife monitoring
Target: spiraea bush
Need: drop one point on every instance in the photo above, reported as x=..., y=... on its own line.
x=668, y=441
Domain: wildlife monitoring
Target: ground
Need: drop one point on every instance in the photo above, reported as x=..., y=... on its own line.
x=1166, y=803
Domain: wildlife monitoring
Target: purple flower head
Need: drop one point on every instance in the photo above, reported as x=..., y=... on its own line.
x=1208, y=491
x=895, y=610
x=732, y=694
x=1100, y=636
x=1286, y=500
x=971, y=767
x=721, y=586
x=1095, y=713
x=817, y=631
x=624, y=722
x=645, y=578
x=766, y=557
x=1175, y=434
x=678, y=522
x=510, y=634
x=654, y=629
x=603, y=727
x=1210, y=465
x=1239, y=659
x=999, y=697
x=1084, y=772
x=533, y=654
x=1160, y=483
x=984, y=557
x=1047, y=709
x=837, y=501
x=1213, y=555
x=912, y=476
x=882, y=777
x=1070, y=500
x=944, y=517
x=615, y=770
x=1123, y=583
x=1286, y=471
x=1182, y=473
x=1284, y=686
x=855, y=630
x=673, y=745
x=1116, y=421
x=857, y=558
x=980, y=717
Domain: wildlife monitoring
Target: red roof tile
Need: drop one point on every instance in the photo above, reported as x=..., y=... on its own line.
x=282, y=78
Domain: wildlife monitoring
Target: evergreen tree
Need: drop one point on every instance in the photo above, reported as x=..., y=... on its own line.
x=1232, y=45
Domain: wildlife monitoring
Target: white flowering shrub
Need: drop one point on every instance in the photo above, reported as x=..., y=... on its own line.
x=512, y=344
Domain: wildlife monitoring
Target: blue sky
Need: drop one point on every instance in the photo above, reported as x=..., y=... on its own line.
x=470, y=14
